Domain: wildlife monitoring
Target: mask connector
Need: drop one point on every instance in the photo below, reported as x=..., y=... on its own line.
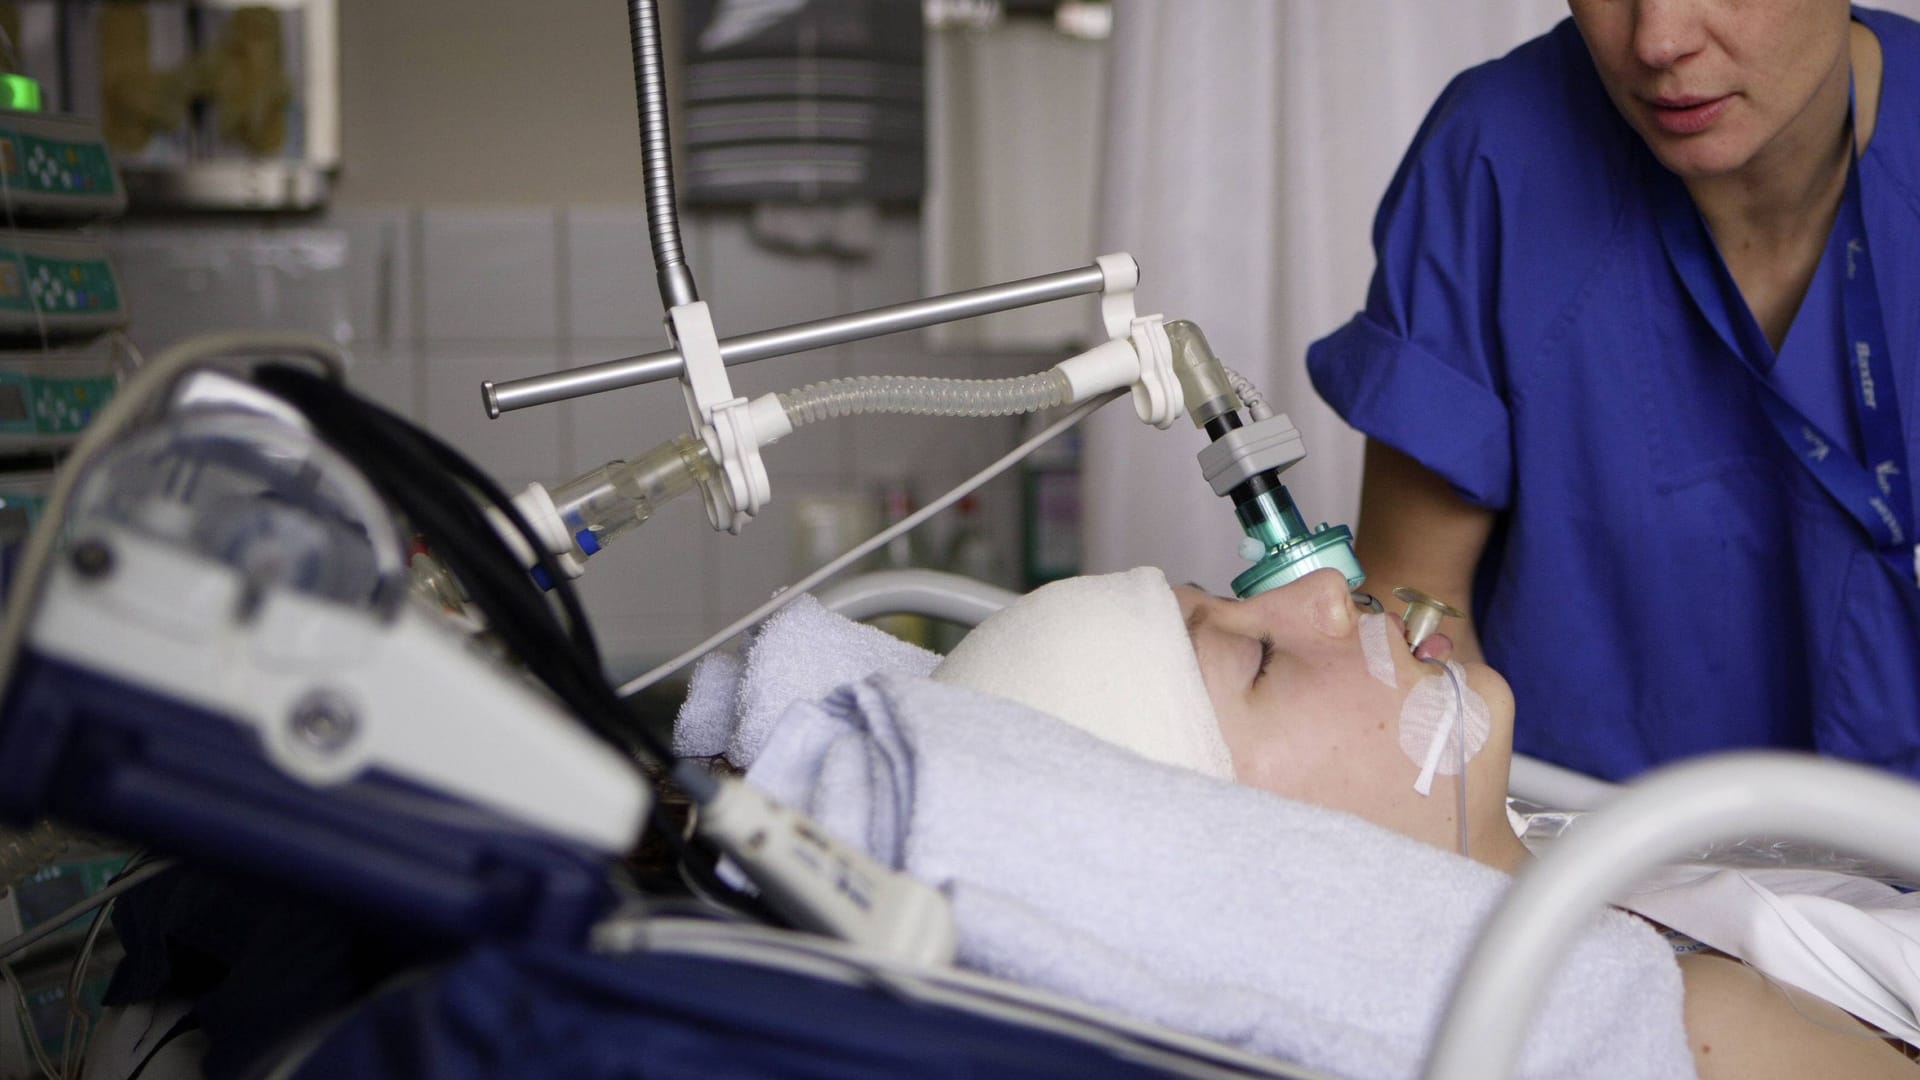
x=1244, y=461
x=1424, y=614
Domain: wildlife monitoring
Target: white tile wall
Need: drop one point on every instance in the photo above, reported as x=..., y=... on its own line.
x=526, y=443
x=381, y=293
x=438, y=299
x=618, y=424
x=612, y=293
x=390, y=375
x=650, y=596
x=751, y=288
x=490, y=275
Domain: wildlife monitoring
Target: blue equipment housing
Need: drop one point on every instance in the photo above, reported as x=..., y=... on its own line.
x=116, y=757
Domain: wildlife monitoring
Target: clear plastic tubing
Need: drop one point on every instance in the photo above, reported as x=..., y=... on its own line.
x=921, y=395
x=1459, y=737
x=621, y=495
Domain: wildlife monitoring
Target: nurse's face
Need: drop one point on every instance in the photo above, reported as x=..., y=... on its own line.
x=1716, y=85
x=1304, y=717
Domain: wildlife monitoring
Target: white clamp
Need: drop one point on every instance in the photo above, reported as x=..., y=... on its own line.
x=1157, y=397
x=721, y=420
x=1121, y=275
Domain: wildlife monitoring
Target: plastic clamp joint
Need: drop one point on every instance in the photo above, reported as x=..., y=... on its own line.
x=1157, y=397
x=739, y=489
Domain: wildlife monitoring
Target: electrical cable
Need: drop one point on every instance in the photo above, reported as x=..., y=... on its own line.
x=424, y=479
x=430, y=483
x=874, y=543
x=73, y=1050
x=54, y=923
x=27, y=1029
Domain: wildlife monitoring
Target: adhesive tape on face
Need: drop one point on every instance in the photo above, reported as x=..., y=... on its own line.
x=1430, y=730
x=1376, y=644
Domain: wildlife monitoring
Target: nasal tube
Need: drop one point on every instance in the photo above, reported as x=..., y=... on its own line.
x=1243, y=462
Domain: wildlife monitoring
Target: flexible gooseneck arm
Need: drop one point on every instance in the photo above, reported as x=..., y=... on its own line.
x=663, y=220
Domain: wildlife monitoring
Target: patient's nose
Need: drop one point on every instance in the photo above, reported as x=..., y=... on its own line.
x=1328, y=602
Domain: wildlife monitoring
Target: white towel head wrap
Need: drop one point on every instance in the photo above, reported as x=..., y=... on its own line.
x=1108, y=654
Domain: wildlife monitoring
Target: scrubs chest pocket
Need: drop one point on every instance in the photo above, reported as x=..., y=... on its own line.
x=1867, y=704
x=1727, y=513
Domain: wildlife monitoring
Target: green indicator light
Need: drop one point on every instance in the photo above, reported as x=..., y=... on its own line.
x=19, y=93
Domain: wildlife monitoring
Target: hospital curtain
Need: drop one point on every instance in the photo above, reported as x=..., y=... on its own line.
x=1248, y=143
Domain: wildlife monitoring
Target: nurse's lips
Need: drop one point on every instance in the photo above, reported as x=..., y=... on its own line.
x=1687, y=115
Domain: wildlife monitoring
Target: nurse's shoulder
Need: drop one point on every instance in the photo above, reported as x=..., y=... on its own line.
x=1896, y=133
x=1520, y=180
x=1538, y=125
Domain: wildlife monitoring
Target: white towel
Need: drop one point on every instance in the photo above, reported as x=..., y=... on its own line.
x=800, y=653
x=1850, y=940
x=1285, y=929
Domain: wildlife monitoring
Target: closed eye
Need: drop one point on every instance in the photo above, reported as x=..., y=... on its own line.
x=1266, y=656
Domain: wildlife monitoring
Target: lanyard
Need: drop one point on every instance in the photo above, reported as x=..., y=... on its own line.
x=1875, y=493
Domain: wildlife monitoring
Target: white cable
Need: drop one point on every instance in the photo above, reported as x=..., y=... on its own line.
x=73, y=1050
x=1249, y=394
x=872, y=544
x=30, y=1033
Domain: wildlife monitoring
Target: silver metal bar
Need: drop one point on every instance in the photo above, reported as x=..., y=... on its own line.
x=765, y=344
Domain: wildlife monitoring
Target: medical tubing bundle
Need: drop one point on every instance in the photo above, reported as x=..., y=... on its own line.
x=430, y=482
x=920, y=395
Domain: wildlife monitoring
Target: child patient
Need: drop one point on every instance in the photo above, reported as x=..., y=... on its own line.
x=1301, y=693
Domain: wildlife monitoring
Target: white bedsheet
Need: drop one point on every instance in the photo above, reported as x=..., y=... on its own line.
x=1850, y=940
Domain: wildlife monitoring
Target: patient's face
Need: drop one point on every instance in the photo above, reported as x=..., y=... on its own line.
x=1318, y=726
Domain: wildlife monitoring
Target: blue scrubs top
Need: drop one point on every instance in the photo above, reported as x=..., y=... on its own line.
x=1665, y=578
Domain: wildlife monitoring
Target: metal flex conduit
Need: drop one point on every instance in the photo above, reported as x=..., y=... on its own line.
x=663, y=221
x=819, y=334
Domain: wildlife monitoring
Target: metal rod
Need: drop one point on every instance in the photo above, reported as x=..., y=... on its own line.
x=663, y=222
x=801, y=337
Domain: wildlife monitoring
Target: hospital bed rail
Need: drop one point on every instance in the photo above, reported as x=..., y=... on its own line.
x=1658, y=819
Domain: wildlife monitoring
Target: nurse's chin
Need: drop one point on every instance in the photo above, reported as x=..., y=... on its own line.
x=1706, y=156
